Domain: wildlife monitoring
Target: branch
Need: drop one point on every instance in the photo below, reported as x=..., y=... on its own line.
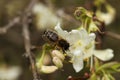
x=4, y=29
x=28, y=52
x=113, y=35
x=16, y=20
x=26, y=36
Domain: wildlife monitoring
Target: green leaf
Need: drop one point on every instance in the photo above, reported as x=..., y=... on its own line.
x=116, y=67
x=110, y=70
x=97, y=64
x=93, y=77
x=107, y=65
x=106, y=77
x=111, y=77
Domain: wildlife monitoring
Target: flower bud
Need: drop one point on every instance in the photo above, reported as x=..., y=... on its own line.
x=56, y=53
x=48, y=69
x=57, y=62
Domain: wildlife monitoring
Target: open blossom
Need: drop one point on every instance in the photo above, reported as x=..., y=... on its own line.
x=107, y=17
x=82, y=46
x=44, y=16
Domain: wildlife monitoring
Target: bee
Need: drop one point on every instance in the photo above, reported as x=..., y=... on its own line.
x=53, y=37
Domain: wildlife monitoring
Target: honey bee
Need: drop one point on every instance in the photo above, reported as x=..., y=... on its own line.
x=53, y=37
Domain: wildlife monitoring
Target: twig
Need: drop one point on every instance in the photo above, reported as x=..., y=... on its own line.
x=26, y=36
x=113, y=35
x=27, y=48
x=9, y=25
x=15, y=20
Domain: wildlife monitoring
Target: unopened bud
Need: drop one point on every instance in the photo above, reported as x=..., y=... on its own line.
x=56, y=53
x=57, y=62
x=48, y=69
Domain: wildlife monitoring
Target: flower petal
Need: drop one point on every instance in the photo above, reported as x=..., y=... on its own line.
x=83, y=33
x=91, y=37
x=104, y=55
x=61, y=32
x=73, y=37
x=77, y=60
x=78, y=63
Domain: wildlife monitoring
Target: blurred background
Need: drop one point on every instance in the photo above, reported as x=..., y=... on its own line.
x=50, y=12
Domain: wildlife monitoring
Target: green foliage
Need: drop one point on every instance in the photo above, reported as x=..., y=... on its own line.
x=86, y=18
x=104, y=71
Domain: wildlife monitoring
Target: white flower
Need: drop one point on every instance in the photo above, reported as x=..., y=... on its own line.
x=44, y=16
x=78, y=40
x=107, y=17
x=9, y=73
x=82, y=46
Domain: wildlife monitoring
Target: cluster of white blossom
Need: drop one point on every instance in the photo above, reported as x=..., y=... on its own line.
x=82, y=46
